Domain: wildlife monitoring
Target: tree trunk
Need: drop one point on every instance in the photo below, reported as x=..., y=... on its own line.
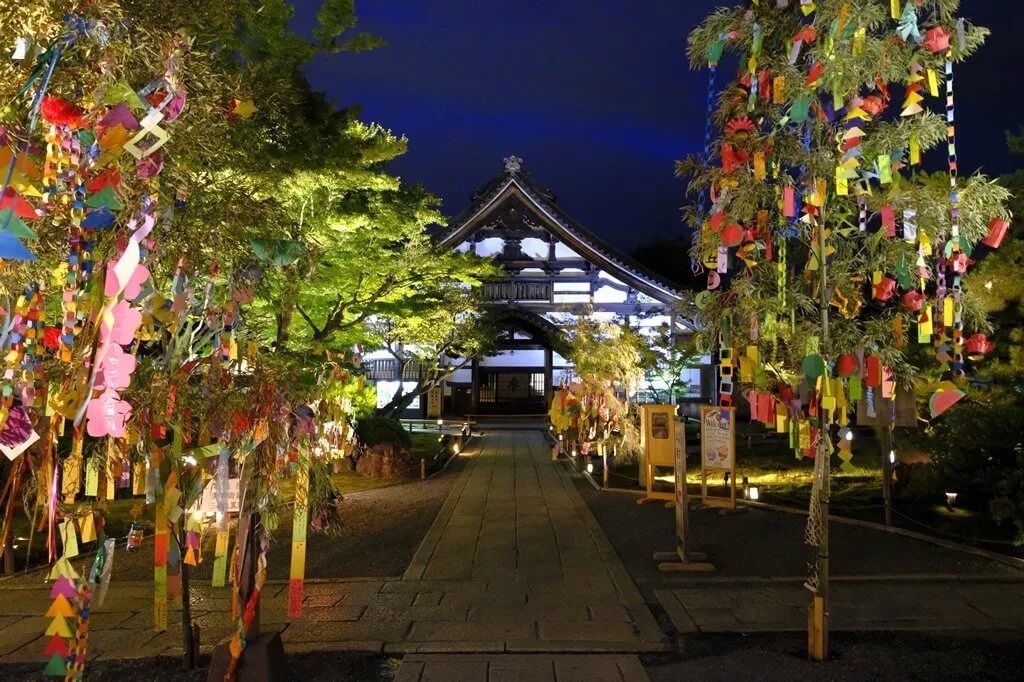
x=286, y=309
x=397, y=404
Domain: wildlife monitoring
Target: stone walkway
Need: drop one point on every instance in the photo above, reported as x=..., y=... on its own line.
x=897, y=604
x=514, y=563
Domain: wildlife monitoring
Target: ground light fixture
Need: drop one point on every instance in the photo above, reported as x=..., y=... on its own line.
x=590, y=467
x=892, y=457
x=754, y=493
x=951, y=499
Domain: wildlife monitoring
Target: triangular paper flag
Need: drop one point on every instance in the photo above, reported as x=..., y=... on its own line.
x=99, y=218
x=12, y=223
x=123, y=92
x=63, y=568
x=12, y=249
x=60, y=607
x=56, y=667
x=21, y=208
x=59, y=626
x=56, y=645
x=105, y=198
x=190, y=557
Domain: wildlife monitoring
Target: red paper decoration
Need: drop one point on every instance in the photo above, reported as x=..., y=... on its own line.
x=61, y=112
x=978, y=344
x=997, y=228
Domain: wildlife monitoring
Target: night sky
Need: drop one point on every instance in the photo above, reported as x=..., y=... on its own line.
x=596, y=97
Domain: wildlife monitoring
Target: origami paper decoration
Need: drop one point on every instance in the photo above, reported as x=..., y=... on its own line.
x=978, y=344
x=111, y=177
x=120, y=115
x=884, y=289
x=944, y=398
x=241, y=109
x=814, y=367
x=150, y=131
x=732, y=235
x=937, y=39
x=847, y=365
x=907, y=28
x=61, y=112
x=913, y=301
x=997, y=228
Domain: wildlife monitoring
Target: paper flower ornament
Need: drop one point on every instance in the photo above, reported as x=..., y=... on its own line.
x=59, y=111
x=107, y=415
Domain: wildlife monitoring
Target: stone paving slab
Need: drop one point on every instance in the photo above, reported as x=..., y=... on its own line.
x=513, y=562
x=525, y=667
x=856, y=606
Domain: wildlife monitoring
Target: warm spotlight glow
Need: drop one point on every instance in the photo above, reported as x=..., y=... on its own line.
x=754, y=493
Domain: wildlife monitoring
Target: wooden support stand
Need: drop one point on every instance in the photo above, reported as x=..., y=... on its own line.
x=682, y=560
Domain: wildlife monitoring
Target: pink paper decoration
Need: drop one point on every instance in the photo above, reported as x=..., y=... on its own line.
x=116, y=372
x=126, y=323
x=107, y=415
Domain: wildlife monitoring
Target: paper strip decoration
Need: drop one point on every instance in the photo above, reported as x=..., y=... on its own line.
x=299, y=523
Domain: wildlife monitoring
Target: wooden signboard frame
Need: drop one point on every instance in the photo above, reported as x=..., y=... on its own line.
x=658, y=439
x=707, y=442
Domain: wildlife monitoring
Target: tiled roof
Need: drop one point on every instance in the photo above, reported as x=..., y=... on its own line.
x=578, y=237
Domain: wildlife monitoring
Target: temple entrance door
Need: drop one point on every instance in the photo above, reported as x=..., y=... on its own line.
x=517, y=390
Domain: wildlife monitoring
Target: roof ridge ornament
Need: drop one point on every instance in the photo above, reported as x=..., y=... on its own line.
x=513, y=164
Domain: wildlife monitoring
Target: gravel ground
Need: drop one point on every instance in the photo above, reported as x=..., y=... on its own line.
x=762, y=543
x=868, y=656
x=382, y=531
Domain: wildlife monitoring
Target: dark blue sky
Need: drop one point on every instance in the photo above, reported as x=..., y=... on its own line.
x=595, y=96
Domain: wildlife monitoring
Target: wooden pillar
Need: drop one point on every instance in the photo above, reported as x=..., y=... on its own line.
x=549, y=387
x=476, y=386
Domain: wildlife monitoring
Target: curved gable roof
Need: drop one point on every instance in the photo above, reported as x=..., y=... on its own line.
x=513, y=181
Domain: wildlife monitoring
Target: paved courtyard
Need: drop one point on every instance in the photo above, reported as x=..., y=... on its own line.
x=514, y=563
x=515, y=579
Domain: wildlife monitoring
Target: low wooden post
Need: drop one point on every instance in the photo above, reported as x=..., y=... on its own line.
x=604, y=462
x=423, y=469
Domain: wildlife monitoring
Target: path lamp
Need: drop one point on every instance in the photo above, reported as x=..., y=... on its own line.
x=951, y=499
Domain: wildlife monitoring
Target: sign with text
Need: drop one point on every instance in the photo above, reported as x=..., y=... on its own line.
x=718, y=450
x=434, y=402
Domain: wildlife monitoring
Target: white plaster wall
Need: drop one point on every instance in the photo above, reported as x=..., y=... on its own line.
x=535, y=248
x=491, y=246
x=519, y=358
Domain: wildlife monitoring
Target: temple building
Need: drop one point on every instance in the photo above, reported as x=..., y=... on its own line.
x=556, y=269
